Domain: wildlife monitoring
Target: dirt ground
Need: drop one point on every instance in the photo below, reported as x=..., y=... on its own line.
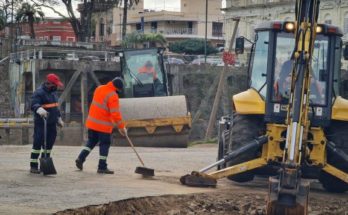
x=205, y=204
x=76, y=192
x=229, y=198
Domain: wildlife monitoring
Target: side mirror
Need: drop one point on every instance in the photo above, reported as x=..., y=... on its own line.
x=345, y=52
x=239, y=45
x=322, y=75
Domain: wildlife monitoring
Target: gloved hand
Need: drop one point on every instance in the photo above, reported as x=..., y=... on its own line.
x=60, y=122
x=42, y=112
x=123, y=131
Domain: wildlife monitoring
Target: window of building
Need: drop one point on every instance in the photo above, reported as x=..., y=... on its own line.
x=345, y=23
x=71, y=39
x=327, y=19
x=217, y=29
x=101, y=27
x=56, y=38
x=138, y=26
x=190, y=27
x=46, y=38
x=153, y=27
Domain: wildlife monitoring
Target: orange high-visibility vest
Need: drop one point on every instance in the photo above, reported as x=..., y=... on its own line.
x=149, y=71
x=104, y=112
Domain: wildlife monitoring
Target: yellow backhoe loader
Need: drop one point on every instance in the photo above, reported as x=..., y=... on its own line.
x=292, y=123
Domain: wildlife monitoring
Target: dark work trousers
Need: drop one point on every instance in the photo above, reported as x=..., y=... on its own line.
x=38, y=142
x=104, y=140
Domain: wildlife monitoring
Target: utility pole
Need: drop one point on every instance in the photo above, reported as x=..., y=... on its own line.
x=120, y=25
x=206, y=31
x=124, y=23
x=12, y=38
x=212, y=118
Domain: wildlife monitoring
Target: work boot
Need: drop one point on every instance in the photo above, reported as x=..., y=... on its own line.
x=105, y=171
x=79, y=164
x=34, y=170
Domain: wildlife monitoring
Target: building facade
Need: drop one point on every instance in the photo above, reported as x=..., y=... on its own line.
x=254, y=12
x=52, y=29
x=189, y=22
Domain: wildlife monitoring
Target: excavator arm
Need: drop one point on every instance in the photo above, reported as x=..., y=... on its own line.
x=288, y=193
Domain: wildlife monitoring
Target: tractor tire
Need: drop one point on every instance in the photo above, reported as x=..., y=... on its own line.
x=338, y=134
x=244, y=129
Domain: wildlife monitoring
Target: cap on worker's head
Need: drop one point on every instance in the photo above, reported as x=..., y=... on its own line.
x=118, y=82
x=148, y=64
x=54, y=79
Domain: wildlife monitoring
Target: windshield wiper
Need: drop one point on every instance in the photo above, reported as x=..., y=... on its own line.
x=135, y=77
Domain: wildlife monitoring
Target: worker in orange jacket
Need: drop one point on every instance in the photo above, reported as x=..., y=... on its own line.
x=148, y=70
x=104, y=115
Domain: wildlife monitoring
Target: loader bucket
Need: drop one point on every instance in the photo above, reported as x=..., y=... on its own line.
x=291, y=203
x=155, y=121
x=197, y=179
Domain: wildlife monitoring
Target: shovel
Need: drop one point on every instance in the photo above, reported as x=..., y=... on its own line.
x=142, y=170
x=46, y=163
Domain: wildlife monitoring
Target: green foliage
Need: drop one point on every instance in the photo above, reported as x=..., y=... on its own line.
x=29, y=12
x=133, y=39
x=2, y=19
x=191, y=46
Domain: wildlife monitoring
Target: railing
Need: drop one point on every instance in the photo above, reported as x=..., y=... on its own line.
x=258, y=2
x=179, y=31
x=217, y=33
x=55, y=54
x=32, y=42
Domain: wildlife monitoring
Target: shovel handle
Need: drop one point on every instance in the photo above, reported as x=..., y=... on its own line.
x=131, y=144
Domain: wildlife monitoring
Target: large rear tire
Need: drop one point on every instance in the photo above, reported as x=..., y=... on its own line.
x=244, y=129
x=338, y=134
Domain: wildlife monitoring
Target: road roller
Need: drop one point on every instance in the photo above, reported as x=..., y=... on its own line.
x=153, y=117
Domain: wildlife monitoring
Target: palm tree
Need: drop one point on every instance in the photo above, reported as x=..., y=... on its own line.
x=2, y=20
x=29, y=13
x=126, y=5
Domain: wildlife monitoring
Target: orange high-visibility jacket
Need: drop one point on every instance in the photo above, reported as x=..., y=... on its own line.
x=104, y=112
x=149, y=71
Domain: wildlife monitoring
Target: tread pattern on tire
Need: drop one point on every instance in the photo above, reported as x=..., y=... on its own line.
x=338, y=134
x=244, y=129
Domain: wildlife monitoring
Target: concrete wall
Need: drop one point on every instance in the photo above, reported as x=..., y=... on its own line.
x=5, y=110
x=199, y=84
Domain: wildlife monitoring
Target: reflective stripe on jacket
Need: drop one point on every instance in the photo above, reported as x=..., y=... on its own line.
x=104, y=112
x=47, y=99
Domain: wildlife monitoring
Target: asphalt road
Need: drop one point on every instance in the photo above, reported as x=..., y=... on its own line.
x=25, y=193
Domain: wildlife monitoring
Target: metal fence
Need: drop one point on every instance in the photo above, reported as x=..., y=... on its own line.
x=73, y=55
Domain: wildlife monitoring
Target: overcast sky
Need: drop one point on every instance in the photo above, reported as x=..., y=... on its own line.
x=172, y=5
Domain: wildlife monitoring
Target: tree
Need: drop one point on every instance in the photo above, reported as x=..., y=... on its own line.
x=2, y=20
x=8, y=8
x=133, y=39
x=127, y=4
x=191, y=46
x=29, y=13
x=81, y=26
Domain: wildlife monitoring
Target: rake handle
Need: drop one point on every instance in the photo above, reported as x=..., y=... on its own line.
x=132, y=145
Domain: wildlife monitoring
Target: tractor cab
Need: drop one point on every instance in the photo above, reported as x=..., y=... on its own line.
x=271, y=67
x=143, y=72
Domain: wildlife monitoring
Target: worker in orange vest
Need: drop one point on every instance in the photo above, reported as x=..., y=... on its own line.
x=104, y=115
x=148, y=69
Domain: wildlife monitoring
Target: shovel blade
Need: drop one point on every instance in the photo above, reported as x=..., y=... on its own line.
x=145, y=171
x=47, y=166
x=196, y=179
